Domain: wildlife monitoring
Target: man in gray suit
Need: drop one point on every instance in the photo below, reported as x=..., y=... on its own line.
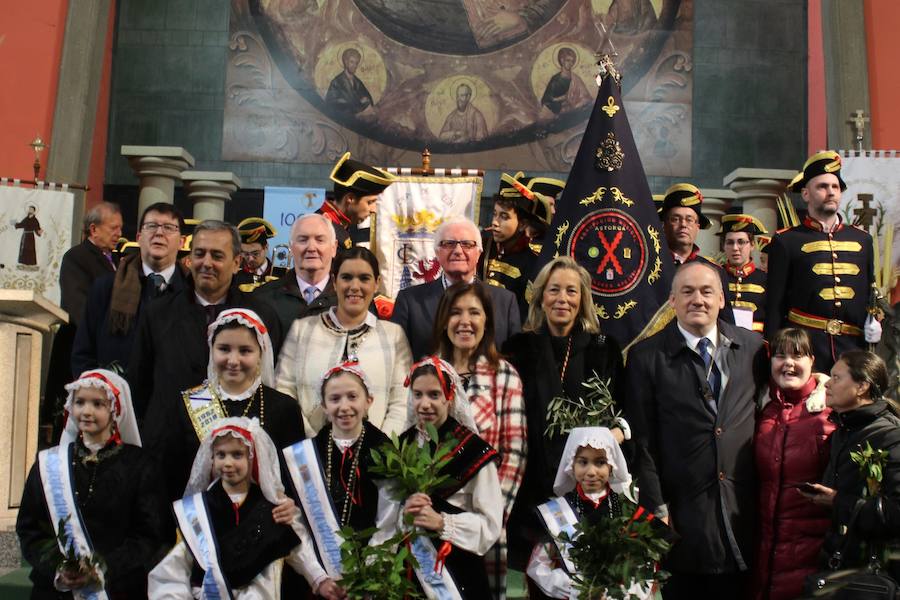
x=691, y=408
x=457, y=243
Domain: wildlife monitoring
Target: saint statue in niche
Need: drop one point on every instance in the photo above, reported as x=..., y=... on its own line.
x=347, y=92
x=30, y=227
x=565, y=91
x=465, y=123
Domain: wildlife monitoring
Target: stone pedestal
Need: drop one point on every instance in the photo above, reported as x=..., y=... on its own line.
x=757, y=192
x=716, y=203
x=25, y=320
x=208, y=191
x=158, y=168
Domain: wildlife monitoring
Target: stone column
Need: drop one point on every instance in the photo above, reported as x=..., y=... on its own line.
x=758, y=191
x=715, y=204
x=846, y=69
x=158, y=168
x=209, y=190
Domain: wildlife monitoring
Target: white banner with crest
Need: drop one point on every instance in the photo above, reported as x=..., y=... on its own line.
x=409, y=211
x=877, y=173
x=35, y=232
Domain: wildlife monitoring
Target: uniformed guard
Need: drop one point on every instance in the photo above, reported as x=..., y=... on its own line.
x=356, y=188
x=508, y=257
x=821, y=271
x=549, y=188
x=745, y=283
x=256, y=267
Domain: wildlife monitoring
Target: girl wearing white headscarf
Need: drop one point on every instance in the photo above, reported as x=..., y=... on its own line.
x=230, y=546
x=590, y=481
x=103, y=486
x=240, y=376
x=467, y=511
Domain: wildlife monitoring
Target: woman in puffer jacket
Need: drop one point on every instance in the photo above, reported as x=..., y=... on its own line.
x=791, y=446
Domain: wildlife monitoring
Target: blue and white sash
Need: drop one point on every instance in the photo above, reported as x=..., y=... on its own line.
x=56, y=477
x=559, y=517
x=437, y=586
x=306, y=472
x=196, y=528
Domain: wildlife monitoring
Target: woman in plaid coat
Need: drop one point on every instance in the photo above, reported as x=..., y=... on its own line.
x=464, y=336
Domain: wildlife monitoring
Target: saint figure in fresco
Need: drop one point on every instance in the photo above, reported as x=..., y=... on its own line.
x=27, y=247
x=347, y=92
x=565, y=90
x=465, y=123
x=630, y=17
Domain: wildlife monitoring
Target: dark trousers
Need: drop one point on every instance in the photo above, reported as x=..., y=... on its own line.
x=705, y=586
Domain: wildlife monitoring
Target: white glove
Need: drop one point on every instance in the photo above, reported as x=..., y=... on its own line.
x=872, y=330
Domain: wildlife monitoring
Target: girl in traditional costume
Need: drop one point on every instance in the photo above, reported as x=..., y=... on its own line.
x=240, y=376
x=230, y=545
x=466, y=512
x=591, y=480
x=331, y=472
x=100, y=488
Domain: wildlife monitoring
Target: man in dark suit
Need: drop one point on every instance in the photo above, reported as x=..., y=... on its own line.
x=107, y=331
x=458, y=245
x=81, y=265
x=691, y=410
x=307, y=289
x=171, y=351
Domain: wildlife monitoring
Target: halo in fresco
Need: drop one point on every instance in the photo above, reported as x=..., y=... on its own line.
x=310, y=79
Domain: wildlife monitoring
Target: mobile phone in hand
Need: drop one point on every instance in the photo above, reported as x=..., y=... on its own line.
x=808, y=488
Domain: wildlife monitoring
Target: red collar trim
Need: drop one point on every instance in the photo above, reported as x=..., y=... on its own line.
x=741, y=271
x=695, y=251
x=590, y=500
x=816, y=226
x=335, y=215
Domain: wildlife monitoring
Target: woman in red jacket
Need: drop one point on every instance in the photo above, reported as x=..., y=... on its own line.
x=791, y=445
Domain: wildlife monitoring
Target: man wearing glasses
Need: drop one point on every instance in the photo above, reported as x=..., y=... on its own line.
x=745, y=283
x=116, y=301
x=457, y=244
x=256, y=268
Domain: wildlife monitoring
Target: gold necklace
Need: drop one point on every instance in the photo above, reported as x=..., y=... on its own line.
x=262, y=404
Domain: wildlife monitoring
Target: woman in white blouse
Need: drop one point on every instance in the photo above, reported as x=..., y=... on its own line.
x=347, y=332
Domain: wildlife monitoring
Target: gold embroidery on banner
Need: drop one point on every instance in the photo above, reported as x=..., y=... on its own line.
x=618, y=196
x=654, y=274
x=752, y=288
x=560, y=232
x=830, y=246
x=622, y=309
x=654, y=234
x=837, y=293
x=601, y=312
x=626, y=252
x=595, y=197
x=505, y=268
x=610, y=156
x=423, y=220
x=611, y=107
x=835, y=269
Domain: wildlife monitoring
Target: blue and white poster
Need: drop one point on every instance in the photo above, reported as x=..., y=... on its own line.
x=281, y=207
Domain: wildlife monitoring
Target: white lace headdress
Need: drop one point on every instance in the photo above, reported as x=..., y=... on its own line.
x=252, y=321
x=599, y=438
x=119, y=395
x=452, y=386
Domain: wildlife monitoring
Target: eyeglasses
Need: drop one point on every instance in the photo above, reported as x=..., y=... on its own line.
x=677, y=220
x=451, y=244
x=154, y=227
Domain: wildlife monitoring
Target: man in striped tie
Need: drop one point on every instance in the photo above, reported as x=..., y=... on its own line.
x=691, y=407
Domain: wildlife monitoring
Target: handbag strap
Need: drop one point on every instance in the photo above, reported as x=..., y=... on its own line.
x=837, y=556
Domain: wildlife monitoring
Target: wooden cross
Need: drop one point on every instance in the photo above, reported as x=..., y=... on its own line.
x=864, y=215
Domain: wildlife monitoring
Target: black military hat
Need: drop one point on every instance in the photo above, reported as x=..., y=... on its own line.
x=735, y=222
x=762, y=243
x=533, y=203
x=686, y=195
x=359, y=177
x=254, y=230
x=818, y=164
x=546, y=186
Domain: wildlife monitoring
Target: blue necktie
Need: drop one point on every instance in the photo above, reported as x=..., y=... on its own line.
x=310, y=293
x=713, y=375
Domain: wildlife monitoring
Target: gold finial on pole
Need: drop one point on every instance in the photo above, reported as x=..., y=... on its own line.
x=426, y=159
x=38, y=145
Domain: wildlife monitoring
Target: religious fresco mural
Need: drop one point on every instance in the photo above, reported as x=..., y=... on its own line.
x=492, y=85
